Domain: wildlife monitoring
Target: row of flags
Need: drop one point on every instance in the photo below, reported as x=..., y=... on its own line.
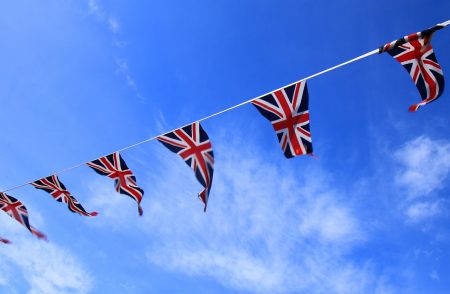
x=287, y=110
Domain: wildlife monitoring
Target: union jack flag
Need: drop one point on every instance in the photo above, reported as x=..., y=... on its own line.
x=416, y=55
x=15, y=209
x=53, y=185
x=287, y=110
x=193, y=145
x=114, y=167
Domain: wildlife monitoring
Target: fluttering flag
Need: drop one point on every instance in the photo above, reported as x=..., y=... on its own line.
x=114, y=167
x=4, y=241
x=15, y=209
x=416, y=55
x=287, y=109
x=193, y=145
x=53, y=185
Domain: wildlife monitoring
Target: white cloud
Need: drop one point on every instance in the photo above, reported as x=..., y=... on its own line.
x=46, y=267
x=103, y=17
x=95, y=9
x=329, y=220
x=113, y=25
x=434, y=275
x=265, y=231
x=116, y=211
x=122, y=65
x=425, y=165
x=423, y=210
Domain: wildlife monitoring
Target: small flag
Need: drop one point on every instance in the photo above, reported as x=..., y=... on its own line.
x=193, y=145
x=287, y=110
x=5, y=241
x=114, y=167
x=15, y=209
x=53, y=185
x=416, y=55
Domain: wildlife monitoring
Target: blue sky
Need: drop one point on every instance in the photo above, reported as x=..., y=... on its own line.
x=81, y=79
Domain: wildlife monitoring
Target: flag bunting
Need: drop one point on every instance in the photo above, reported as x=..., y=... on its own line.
x=286, y=108
x=193, y=145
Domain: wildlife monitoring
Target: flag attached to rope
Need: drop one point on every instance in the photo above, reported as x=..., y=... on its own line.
x=416, y=55
x=114, y=167
x=287, y=110
x=193, y=145
x=4, y=241
x=15, y=209
x=53, y=185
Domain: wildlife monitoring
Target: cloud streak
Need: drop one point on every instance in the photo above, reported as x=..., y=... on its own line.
x=113, y=25
x=265, y=231
x=424, y=166
x=45, y=267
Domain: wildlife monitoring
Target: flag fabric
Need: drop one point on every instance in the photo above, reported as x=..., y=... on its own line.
x=417, y=56
x=4, y=241
x=114, y=167
x=288, y=111
x=193, y=145
x=53, y=185
x=15, y=209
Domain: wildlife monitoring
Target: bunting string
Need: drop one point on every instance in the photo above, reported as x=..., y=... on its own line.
x=363, y=56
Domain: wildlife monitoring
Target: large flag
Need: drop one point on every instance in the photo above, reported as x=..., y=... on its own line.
x=416, y=55
x=287, y=110
x=15, y=209
x=193, y=145
x=114, y=167
x=53, y=185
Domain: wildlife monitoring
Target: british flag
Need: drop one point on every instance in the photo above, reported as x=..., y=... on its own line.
x=193, y=145
x=53, y=185
x=416, y=55
x=114, y=167
x=287, y=110
x=15, y=209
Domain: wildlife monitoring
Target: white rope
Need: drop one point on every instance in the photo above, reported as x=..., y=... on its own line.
x=375, y=51
x=446, y=23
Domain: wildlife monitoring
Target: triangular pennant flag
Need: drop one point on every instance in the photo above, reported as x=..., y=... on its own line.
x=287, y=110
x=416, y=55
x=15, y=209
x=54, y=187
x=4, y=241
x=114, y=167
x=193, y=145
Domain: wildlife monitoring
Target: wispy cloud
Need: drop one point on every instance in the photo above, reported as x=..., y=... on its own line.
x=113, y=25
x=434, y=275
x=424, y=166
x=102, y=16
x=265, y=231
x=123, y=68
x=423, y=210
x=46, y=267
